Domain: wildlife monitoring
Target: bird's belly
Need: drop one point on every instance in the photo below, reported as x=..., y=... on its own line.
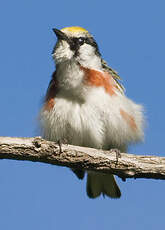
x=75, y=123
x=96, y=123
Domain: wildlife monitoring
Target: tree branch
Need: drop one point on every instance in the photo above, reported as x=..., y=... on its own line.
x=39, y=150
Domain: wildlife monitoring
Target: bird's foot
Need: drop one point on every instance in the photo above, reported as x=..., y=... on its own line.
x=60, y=142
x=60, y=146
x=118, y=154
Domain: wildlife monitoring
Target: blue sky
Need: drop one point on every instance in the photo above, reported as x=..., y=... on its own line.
x=131, y=38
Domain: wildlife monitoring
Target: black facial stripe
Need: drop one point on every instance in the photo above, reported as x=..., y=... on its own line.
x=77, y=42
x=92, y=42
x=54, y=49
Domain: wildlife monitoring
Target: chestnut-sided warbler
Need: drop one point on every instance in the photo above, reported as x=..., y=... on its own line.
x=85, y=105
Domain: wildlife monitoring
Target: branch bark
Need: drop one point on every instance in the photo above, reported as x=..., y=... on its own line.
x=39, y=150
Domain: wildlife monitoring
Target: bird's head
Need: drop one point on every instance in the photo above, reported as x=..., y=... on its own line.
x=76, y=43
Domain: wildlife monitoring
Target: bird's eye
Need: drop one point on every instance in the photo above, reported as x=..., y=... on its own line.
x=81, y=41
x=75, y=43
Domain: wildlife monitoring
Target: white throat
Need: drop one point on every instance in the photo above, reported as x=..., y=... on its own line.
x=88, y=58
x=69, y=77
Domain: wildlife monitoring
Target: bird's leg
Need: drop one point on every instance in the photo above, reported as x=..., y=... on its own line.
x=118, y=155
x=60, y=142
x=60, y=146
x=117, y=152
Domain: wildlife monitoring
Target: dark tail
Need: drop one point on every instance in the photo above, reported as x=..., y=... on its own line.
x=98, y=183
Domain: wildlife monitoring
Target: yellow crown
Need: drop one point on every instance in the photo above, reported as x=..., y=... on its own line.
x=74, y=29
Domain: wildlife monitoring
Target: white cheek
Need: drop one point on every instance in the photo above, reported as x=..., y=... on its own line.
x=62, y=52
x=86, y=51
x=88, y=58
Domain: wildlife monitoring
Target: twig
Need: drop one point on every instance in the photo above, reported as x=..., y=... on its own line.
x=39, y=150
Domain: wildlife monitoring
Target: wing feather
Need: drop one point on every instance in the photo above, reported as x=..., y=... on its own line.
x=114, y=74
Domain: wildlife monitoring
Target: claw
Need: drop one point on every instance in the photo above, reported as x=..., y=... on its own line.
x=60, y=142
x=60, y=146
x=118, y=154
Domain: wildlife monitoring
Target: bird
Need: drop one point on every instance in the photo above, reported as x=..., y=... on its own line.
x=85, y=105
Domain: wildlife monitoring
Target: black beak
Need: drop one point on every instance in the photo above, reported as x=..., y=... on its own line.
x=60, y=35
